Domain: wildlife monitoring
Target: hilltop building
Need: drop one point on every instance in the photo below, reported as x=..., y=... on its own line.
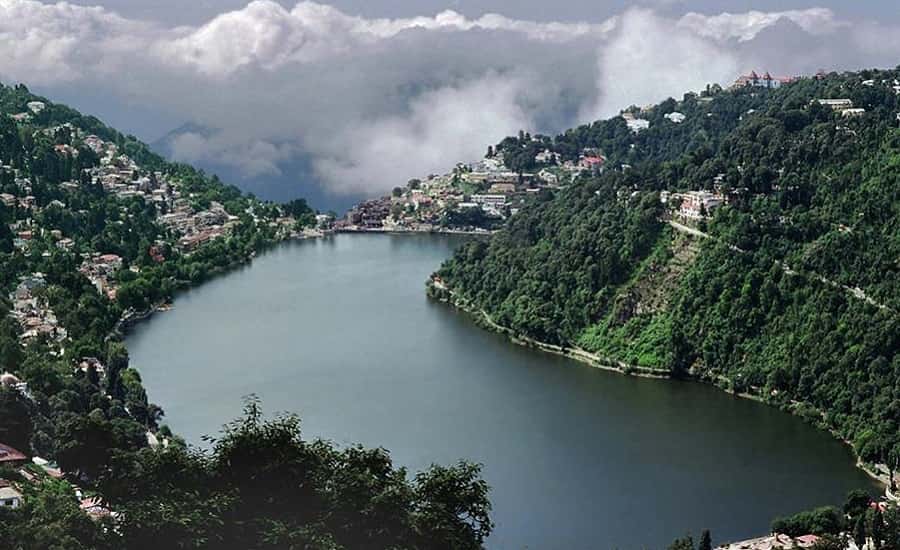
x=765, y=81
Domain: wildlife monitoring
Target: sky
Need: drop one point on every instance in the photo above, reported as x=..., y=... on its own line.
x=338, y=101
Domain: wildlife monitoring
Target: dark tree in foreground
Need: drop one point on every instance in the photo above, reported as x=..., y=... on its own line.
x=15, y=420
x=705, y=541
x=263, y=486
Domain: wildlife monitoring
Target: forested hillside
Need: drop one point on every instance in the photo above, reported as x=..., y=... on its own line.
x=789, y=289
x=97, y=231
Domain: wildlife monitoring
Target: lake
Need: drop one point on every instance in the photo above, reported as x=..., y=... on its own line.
x=339, y=331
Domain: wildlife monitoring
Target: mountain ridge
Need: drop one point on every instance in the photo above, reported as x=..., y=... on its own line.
x=804, y=220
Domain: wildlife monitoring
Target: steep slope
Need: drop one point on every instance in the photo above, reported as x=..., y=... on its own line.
x=783, y=284
x=96, y=230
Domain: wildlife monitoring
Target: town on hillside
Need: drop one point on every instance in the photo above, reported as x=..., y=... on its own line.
x=475, y=197
x=186, y=225
x=72, y=204
x=478, y=197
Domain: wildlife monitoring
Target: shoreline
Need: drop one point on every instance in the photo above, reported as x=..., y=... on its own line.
x=376, y=231
x=128, y=320
x=481, y=318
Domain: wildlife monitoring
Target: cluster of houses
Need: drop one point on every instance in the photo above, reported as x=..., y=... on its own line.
x=101, y=270
x=197, y=227
x=33, y=313
x=488, y=185
x=34, y=472
x=34, y=108
x=121, y=176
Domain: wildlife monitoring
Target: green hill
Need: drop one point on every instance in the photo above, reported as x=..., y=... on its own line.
x=95, y=232
x=789, y=290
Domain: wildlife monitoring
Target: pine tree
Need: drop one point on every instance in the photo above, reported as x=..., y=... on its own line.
x=859, y=531
x=705, y=541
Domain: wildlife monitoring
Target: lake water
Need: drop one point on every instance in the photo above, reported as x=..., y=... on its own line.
x=339, y=331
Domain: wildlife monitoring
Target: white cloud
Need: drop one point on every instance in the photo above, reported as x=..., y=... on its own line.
x=445, y=124
x=651, y=58
x=370, y=103
x=745, y=26
x=256, y=157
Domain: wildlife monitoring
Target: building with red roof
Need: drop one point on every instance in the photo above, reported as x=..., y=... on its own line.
x=765, y=81
x=11, y=457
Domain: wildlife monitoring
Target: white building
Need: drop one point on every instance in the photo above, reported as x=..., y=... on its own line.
x=696, y=205
x=489, y=200
x=35, y=106
x=853, y=112
x=676, y=117
x=836, y=104
x=552, y=178
x=546, y=157
x=9, y=496
x=637, y=124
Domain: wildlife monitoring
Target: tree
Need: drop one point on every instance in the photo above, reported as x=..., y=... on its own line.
x=893, y=460
x=16, y=426
x=684, y=543
x=116, y=362
x=821, y=521
x=263, y=485
x=856, y=503
x=859, y=531
x=705, y=541
x=876, y=527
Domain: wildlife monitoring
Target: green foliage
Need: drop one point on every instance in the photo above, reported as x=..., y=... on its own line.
x=826, y=520
x=16, y=427
x=263, y=486
x=528, y=279
x=51, y=519
x=794, y=298
x=683, y=543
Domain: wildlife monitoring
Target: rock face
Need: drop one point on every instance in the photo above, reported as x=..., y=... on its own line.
x=652, y=291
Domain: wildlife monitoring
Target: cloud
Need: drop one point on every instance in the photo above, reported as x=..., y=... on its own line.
x=448, y=123
x=746, y=26
x=651, y=58
x=254, y=158
x=369, y=103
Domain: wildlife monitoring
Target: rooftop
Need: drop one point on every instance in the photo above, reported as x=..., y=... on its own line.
x=8, y=454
